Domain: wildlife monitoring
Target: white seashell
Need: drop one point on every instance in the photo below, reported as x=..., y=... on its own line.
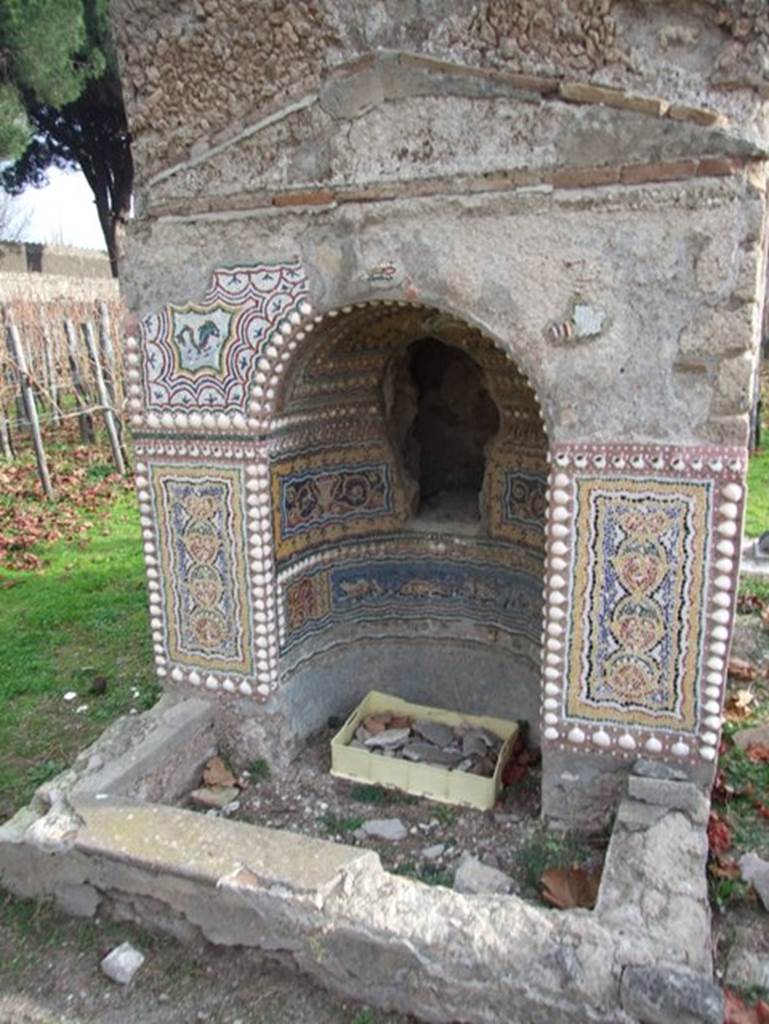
x=653, y=745
x=559, y=530
x=576, y=735
x=601, y=738
x=558, y=564
x=557, y=583
x=561, y=480
x=551, y=734
x=552, y=690
x=627, y=742
x=722, y=600
x=710, y=738
x=721, y=616
x=707, y=753
x=717, y=664
x=245, y=688
x=560, y=497
x=550, y=703
x=194, y=678
x=723, y=583
x=713, y=721
x=558, y=548
x=680, y=749
x=263, y=690
x=732, y=492
x=725, y=547
x=728, y=528
x=720, y=633
x=212, y=683
x=560, y=514
x=725, y=564
x=228, y=685
x=177, y=675
x=712, y=707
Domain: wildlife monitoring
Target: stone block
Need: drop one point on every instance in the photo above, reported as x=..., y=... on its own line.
x=733, y=392
x=475, y=878
x=717, y=332
x=661, y=995
x=122, y=963
x=726, y=429
x=670, y=794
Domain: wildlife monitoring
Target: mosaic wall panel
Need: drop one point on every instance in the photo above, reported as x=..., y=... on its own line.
x=332, y=494
x=398, y=579
x=202, y=543
x=517, y=501
x=643, y=562
x=198, y=360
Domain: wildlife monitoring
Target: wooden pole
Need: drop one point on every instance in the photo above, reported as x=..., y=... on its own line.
x=112, y=376
x=6, y=441
x=17, y=350
x=51, y=372
x=104, y=398
x=87, y=435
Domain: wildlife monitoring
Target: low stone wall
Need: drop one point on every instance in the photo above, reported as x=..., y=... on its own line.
x=92, y=842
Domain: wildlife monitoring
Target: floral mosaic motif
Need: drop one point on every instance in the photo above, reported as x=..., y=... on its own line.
x=201, y=357
x=395, y=588
x=319, y=497
x=639, y=600
x=202, y=545
x=524, y=499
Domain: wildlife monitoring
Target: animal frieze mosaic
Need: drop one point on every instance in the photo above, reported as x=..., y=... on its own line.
x=319, y=497
x=201, y=357
x=395, y=588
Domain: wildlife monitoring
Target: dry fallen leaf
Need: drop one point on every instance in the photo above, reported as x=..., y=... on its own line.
x=736, y=1012
x=738, y=705
x=739, y=668
x=567, y=888
x=724, y=867
x=757, y=752
x=216, y=773
x=719, y=835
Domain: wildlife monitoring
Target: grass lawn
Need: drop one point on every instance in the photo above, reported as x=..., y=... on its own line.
x=757, y=512
x=81, y=617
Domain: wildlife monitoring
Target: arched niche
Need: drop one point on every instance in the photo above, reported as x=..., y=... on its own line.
x=408, y=469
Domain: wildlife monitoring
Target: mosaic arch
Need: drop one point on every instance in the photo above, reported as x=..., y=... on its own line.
x=274, y=511
x=300, y=522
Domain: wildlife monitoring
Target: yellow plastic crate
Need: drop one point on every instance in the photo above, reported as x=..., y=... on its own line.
x=433, y=781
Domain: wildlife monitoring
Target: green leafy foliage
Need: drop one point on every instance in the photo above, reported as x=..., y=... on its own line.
x=61, y=103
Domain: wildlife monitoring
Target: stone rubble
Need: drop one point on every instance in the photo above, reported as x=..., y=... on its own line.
x=463, y=748
x=473, y=877
x=122, y=963
x=755, y=870
x=385, y=828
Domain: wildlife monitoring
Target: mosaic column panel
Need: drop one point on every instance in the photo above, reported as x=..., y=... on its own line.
x=643, y=560
x=207, y=541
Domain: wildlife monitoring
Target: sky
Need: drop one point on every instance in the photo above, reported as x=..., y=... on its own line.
x=62, y=213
